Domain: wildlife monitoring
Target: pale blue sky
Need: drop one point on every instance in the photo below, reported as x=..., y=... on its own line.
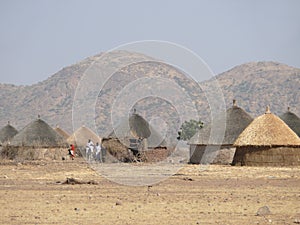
x=40, y=37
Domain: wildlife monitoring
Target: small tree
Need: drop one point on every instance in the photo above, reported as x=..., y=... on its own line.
x=188, y=129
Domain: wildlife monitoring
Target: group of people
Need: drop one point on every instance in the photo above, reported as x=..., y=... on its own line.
x=92, y=152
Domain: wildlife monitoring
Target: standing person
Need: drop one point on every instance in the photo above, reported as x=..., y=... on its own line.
x=72, y=151
x=98, y=152
x=89, y=149
x=92, y=147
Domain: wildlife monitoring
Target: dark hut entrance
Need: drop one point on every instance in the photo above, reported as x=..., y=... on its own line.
x=135, y=145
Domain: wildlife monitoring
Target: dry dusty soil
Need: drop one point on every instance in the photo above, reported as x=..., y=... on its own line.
x=34, y=193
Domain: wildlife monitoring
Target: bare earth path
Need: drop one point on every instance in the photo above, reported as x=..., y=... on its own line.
x=32, y=193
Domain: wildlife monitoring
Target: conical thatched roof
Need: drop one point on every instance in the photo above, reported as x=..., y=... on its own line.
x=81, y=136
x=236, y=121
x=38, y=134
x=61, y=132
x=137, y=127
x=292, y=120
x=268, y=130
x=7, y=133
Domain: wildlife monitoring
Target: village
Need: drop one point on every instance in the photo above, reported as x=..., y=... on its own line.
x=252, y=178
x=149, y=112
x=267, y=140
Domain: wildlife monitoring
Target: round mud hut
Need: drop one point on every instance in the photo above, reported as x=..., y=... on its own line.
x=135, y=139
x=267, y=141
x=37, y=140
x=7, y=133
x=81, y=136
x=62, y=132
x=209, y=148
x=292, y=120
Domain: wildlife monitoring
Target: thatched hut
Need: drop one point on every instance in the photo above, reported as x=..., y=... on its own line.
x=37, y=140
x=81, y=136
x=7, y=133
x=292, y=120
x=135, y=139
x=267, y=141
x=38, y=134
x=207, y=148
x=62, y=132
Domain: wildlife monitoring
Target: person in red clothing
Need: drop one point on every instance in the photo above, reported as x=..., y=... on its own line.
x=72, y=151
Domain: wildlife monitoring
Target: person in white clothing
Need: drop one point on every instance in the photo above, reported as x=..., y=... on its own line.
x=89, y=149
x=98, y=152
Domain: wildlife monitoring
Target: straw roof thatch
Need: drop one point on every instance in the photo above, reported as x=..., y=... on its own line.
x=137, y=127
x=61, y=132
x=267, y=130
x=292, y=120
x=38, y=134
x=81, y=136
x=236, y=121
x=7, y=133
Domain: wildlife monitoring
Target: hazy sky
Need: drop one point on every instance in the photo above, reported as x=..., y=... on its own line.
x=38, y=38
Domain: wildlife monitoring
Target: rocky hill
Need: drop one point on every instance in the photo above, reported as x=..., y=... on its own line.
x=254, y=85
x=258, y=84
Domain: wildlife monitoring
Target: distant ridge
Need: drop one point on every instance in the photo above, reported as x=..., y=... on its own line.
x=254, y=85
x=258, y=84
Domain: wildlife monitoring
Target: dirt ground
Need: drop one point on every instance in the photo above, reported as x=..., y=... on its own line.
x=34, y=193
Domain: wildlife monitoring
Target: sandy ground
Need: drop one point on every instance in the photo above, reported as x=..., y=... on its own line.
x=33, y=193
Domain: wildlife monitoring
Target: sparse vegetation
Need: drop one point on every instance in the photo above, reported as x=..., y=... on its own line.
x=188, y=129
